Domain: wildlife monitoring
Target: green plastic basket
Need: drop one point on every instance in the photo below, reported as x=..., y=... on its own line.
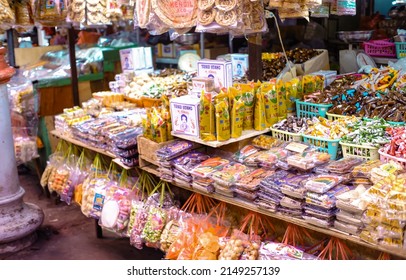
x=400, y=49
x=309, y=110
x=333, y=117
x=286, y=136
x=330, y=146
x=360, y=151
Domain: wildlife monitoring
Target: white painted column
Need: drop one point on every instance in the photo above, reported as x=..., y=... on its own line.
x=18, y=220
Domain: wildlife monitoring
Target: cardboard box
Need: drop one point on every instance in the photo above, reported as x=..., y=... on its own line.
x=220, y=71
x=136, y=58
x=240, y=64
x=320, y=62
x=185, y=115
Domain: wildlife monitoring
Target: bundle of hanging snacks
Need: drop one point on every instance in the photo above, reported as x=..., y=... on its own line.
x=58, y=179
x=78, y=173
x=94, y=189
x=54, y=161
x=336, y=249
x=117, y=205
x=138, y=213
x=181, y=246
x=158, y=204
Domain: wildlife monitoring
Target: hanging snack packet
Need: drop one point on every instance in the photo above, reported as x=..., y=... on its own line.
x=222, y=121
x=207, y=117
x=248, y=97
x=271, y=102
x=282, y=100
x=259, y=113
x=237, y=118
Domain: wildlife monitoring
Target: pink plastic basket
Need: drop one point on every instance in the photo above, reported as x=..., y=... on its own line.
x=382, y=48
x=384, y=157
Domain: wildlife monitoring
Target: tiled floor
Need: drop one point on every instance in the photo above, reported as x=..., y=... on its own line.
x=66, y=234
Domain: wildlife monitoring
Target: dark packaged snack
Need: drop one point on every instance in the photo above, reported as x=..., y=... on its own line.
x=290, y=212
x=125, y=153
x=185, y=163
x=318, y=212
x=174, y=149
x=294, y=186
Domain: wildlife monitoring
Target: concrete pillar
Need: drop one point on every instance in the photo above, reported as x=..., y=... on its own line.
x=18, y=220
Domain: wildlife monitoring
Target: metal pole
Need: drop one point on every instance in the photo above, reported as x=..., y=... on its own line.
x=10, y=47
x=201, y=45
x=255, y=57
x=73, y=67
x=18, y=220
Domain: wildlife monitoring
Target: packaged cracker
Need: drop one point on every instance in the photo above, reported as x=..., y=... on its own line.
x=207, y=117
x=259, y=112
x=271, y=102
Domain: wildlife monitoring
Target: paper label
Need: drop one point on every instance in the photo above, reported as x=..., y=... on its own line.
x=296, y=147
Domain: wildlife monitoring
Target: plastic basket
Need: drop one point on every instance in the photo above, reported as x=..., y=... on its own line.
x=391, y=123
x=400, y=49
x=309, y=110
x=333, y=117
x=332, y=147
x=359, y=151
x=286, y=136
x=384, y=157
x=382, y=48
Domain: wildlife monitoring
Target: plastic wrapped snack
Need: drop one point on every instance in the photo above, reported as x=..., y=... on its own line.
x=308, y=161
x=93, y=197
x=290, y=212
x=267, y=205
x=318, y=222
x=363, y=170
x=174, y=149
x=154, y=225
x=244, y=153
x=328, y=199
x=266, y=142
x=252, y=180
x=235, y=246
x=351, y=201
x=268, y=159
x=291, y=203
x=224, y=190
x=319, y=212
x=344, y=165
x=346, y=227
x=294, y=186
x=187, y=162
x=138, y=218
x=273, y=197
x=349, y=218
x=209, y=166
x=230, y=174
x=279, y=251
x=322, y=183
x=245, y=194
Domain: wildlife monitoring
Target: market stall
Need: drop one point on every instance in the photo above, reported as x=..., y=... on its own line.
x=241, y=156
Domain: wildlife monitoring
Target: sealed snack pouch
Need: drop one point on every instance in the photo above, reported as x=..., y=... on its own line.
x=222, y=121
x=282, y=100
x=292, y=94
x=268, y=90
x=166, y=115
x=248, y=97
x=237, y=118
x=259, y=114
x=137, y=220
x=207, y=117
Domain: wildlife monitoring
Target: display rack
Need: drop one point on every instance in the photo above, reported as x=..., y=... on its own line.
x=246, y=134
x=76, y=142
x=331, y=232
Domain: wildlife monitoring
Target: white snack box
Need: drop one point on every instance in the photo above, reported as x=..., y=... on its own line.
x=240, y=64
x=220, y=71
x=185, y=115
x=132, y=59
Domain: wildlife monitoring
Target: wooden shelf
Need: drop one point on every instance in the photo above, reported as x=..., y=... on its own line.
x=74, y=141
x=215, y=144
x=331, y=232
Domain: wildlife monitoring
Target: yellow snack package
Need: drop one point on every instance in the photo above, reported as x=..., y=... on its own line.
x=282, y=101
x=222, y=96
x=259, y=116
x=207, y=117
x=292, y=94
x=237, y=118
x=222, y=121
x=248, y=97
x=268, y=90
x=233, y=94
